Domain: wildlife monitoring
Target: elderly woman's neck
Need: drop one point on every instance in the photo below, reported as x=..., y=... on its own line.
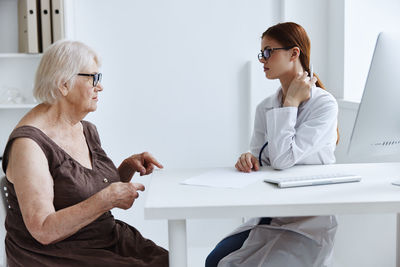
x=64, y=116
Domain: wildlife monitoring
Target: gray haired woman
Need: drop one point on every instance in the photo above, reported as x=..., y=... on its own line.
x=61, y=184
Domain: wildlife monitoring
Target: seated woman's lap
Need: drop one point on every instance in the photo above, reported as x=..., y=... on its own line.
x=229, y=245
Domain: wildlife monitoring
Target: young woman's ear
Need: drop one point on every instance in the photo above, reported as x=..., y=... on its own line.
x=295, y=53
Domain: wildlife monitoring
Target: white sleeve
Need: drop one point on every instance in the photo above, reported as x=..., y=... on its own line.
x=288, y=145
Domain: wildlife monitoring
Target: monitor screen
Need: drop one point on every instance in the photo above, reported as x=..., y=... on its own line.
x=376, y=130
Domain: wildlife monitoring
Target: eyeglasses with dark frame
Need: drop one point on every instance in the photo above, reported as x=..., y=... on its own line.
x=96, y=77
x=266, y=53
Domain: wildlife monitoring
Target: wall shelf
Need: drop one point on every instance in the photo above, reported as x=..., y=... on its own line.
x=19, y=55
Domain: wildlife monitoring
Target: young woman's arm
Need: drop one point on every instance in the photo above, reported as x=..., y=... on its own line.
x=288, y=145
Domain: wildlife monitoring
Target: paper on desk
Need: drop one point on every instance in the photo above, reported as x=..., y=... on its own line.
x=225, y=178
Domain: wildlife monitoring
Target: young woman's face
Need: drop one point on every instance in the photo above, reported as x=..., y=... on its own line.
x=279, y=61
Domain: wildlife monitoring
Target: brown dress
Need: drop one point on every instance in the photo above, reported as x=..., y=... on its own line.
x=104, y=242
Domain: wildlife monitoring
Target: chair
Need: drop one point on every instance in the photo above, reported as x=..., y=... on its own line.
x=3, y=213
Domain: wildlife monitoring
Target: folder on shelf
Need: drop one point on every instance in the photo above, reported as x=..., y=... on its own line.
x=57, y=18
x=45, y=24
x=27, y=27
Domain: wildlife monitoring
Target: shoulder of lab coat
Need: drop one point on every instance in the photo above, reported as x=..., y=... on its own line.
x=293, y=134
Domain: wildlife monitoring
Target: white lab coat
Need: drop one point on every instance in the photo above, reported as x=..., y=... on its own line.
x=303, y=135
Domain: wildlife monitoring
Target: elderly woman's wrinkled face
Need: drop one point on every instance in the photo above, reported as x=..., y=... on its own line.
x=84, y=96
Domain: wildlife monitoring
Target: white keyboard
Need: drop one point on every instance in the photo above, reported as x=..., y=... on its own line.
x=320, y=179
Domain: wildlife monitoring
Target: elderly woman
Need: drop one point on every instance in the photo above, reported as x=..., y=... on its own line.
x=61, y=184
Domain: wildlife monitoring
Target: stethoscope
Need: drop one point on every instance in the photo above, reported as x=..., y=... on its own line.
x=259, y=155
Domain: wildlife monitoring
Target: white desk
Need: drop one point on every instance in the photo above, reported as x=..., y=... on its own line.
x=167, y=199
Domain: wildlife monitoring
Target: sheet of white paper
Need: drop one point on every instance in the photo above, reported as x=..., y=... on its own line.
x=225, y=178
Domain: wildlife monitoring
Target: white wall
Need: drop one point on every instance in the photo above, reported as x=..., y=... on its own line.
x=177, y=81
x=364, y=19
x=312, y=15
x=336, y=45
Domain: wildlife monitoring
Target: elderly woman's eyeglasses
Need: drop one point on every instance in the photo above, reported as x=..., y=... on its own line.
x=96, y=77
x=266, y=53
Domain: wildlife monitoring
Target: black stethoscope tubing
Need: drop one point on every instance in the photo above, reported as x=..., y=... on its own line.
x=259, y=156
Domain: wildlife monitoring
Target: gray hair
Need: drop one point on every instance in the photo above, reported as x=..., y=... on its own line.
x=59, y=64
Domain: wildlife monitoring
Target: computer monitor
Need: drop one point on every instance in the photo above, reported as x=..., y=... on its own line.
x=376, y=131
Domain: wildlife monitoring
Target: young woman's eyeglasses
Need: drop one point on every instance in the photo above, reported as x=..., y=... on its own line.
x=96, y=77
x=266, y=53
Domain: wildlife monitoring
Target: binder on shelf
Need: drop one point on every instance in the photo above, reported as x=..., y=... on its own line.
x=45, y=24
x=27, y=27
x=57, y=18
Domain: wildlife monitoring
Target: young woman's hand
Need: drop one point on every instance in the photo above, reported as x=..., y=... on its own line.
x=299, y=90
x=247, y=162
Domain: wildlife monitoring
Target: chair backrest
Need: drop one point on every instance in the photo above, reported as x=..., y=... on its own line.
x=4, y=193
x=3, y=213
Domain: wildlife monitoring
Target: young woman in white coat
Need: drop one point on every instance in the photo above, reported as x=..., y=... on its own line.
x=296, y=125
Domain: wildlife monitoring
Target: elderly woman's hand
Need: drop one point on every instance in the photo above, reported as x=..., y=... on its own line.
x=143, y=163
x=122, y=195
